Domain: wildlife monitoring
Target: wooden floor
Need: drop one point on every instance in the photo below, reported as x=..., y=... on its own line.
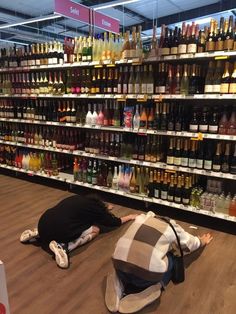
x=37, y=286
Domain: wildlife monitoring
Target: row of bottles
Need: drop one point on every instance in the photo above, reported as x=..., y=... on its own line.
x=45, y=162
x=189, y=39
x=202, y=155
x=162, y=79
x=208, y=155
x=160, y=116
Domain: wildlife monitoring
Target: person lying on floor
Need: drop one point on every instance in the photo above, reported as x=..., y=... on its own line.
x=143, y=262
x=73, y=222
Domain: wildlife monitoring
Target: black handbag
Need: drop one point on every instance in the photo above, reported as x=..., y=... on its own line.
x=178, y=267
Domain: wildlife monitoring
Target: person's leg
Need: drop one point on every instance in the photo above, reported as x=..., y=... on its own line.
x=85, y=237
x=29, y=235
x=61, y=250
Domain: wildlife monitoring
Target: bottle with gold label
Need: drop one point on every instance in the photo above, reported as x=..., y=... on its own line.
x=210, y=44
x=229, y=35
x=219, y=44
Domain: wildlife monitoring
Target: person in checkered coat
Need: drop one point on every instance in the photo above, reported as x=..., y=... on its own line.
x=143, y=262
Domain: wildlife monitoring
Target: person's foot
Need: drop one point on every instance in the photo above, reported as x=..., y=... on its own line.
x=61, y=256
x=114, y=292
x=29, y=235
x=133, y=303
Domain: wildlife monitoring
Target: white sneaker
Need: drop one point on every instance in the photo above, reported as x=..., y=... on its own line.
x=60, y=254
x=114, y=292
x=28, y=235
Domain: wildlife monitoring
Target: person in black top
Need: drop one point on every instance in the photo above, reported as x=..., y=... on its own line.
x=73, y=222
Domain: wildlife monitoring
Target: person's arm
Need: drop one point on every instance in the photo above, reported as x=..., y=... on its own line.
x=125, y=219
x=188, y=242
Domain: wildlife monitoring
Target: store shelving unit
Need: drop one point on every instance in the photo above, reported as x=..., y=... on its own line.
x=67, y=178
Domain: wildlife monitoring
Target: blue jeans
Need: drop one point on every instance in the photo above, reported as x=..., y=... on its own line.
x=135, y=284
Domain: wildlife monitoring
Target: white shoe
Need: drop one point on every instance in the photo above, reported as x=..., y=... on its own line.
x=28, y=235
x=114, y=292
x=60, y=254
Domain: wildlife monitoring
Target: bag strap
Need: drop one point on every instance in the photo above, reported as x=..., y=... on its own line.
x=178, y=241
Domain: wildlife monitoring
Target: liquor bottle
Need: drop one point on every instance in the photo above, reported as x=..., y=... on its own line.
x=194, y=124
x=163, y=125
x=177, y=81
x=143, y=119
x=192, y=42
x=150, y=81
x=208, y=89
x=171, y=190
x=233, y=162
x=193, y=81
x=192, y=162
x=126, y=46
x=231, y=127
x=136, y=119
x=225, y=80
x=216, y=164
x=137, y=83
x=138, y=185
x=162, y=79
x=186, y=192
x=125, y=81
x=177, y=154
x=223, y=124
x=213, y=124
x=120, y=82
x=178, y=192
x=216, y=81
x=115, y=179
x=171, y=119
x=131, y=81
x=203, y=123
x=232, y=85
x=94, y=116
x=229, y=35
x=201, y=42
x=164, y=188
x=185, y=155
x=76, y=169
x=210, y=44
x=109, y=178
x=174, y=42
x=200, y=156
x=132, y=185
x=184, y=85
x=165, y=49
x=219, y=43
x=151, y=185
x=182, y=48
x=225, y=166
x=208, y=157
x=169, y=82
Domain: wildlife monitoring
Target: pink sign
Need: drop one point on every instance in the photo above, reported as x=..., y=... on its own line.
x=106, y=22
x=73, y=10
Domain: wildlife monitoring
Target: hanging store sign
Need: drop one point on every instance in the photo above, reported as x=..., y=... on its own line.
x=106, y=22
x=73, y=10
x=4, y=305
x=79, y=12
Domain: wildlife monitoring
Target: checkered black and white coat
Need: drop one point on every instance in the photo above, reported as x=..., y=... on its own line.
x=142, y=250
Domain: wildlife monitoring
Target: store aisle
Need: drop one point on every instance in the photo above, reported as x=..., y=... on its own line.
x=37, y=285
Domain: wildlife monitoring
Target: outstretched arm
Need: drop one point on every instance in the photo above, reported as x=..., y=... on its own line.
x=128, y=218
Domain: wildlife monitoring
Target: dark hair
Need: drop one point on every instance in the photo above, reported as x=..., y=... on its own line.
x=98, y=199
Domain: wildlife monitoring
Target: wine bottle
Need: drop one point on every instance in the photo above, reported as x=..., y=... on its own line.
x=208, y=89
x=132, y=185
x=232, y=85
x=193, y=81
x=229, y=35
x=177, y=154
x=157, y=184
x=164, y=188
x=178, y=192
x=225, y=166
x=165, y=50
x=169, y=81
x=170, y=153
x=223, y=124
x=208, y=157
x=174, y=42
x=213, y=124
x=192, y=162
x=185, y=154
x=192, y=43
x=216, y=81
x=171, y=190
x=143, y=119
x=219, y=44
x=194, y=124
x=203, y=124
x=186, y=192
x=150, y=81
x=233, y=162
x=131, y=81
x=182, y=48
x=225, y=80
x=184, y=85
x=210, y=44
x=151, y=185
x=231, y=127
x=137, y=82
x=216, y=164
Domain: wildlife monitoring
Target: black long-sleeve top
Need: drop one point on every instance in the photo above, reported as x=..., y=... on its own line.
x=69, y=218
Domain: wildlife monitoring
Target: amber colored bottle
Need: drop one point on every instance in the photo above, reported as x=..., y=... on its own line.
x=143, y=119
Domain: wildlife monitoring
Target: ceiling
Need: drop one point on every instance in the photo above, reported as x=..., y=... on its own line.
x=134, y=12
